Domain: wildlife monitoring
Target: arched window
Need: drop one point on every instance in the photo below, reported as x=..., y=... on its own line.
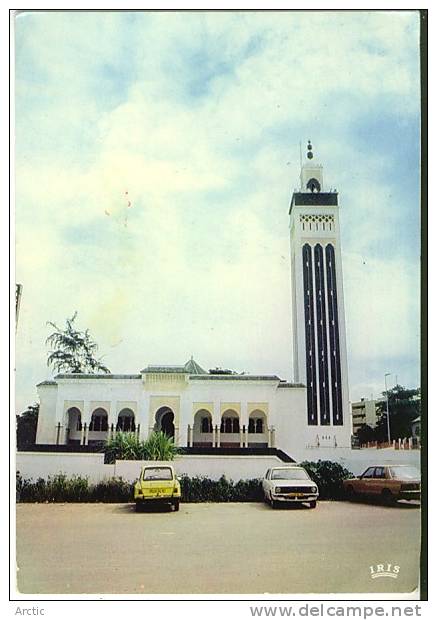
x=313, y=185
x=206, y=425
x=74, y=419
x=126, y=421
x=230, y=424
x=257, y=422
x=99, y=420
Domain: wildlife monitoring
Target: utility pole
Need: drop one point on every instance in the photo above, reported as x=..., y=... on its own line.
x=387, y=374
x=18, y=292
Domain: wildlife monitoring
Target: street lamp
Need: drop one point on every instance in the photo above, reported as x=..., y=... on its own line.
x=387, y=374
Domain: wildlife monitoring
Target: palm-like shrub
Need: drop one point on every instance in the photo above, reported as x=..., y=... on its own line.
x=128, y=447
x=124, y=446
x=159, y=447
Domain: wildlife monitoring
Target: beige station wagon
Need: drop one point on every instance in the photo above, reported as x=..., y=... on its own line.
x=387, y=482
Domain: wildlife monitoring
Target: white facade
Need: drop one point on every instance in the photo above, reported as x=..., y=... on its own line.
x=201, y=409
x=196, y=408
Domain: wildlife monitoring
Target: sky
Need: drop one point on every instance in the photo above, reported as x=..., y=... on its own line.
x=155, y=158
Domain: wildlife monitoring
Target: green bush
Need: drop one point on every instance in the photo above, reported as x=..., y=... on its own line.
x=328, y=476
x=203, y=489
x=159, y=447
x=111, y=491
x=128, y=447
x=59, y=488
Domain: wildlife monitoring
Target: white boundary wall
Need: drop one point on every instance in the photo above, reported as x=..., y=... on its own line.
x=233, y=467
x=43, y=464
x=357, y=461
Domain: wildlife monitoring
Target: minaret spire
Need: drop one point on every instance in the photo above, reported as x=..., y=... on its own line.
x=310, y=153
x=311, y=173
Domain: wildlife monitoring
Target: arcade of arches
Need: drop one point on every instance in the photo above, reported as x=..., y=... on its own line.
x=231, y=431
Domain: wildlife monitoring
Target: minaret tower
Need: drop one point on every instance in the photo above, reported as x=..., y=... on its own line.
x=319, y=338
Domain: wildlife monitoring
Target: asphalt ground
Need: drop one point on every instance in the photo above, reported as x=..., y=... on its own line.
x=230, y=548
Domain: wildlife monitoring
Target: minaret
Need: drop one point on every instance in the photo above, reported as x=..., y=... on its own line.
x=319, y=339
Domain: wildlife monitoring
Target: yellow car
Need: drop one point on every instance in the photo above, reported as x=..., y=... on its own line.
x=157, y=484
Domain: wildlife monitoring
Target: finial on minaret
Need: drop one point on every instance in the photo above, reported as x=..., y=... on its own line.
x=310, y=153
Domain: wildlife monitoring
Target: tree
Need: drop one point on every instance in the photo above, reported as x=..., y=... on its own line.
x=26, y=427
x=404, y=407
x=224, y=371
x=365, y=434
x=74, y=351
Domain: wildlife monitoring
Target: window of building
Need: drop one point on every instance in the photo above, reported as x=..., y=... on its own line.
x=230, y=425
x=126, y=423
x=99, y=422
x=256, y=425
x=206, y=425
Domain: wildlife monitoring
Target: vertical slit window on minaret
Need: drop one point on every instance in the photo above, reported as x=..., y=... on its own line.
x=309, y=336
x=336, y=389
x=322, y=336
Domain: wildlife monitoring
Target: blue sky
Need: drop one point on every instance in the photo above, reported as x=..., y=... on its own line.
x=198, y=117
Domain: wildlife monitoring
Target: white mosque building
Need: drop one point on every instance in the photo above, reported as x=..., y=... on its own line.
x=202, y=409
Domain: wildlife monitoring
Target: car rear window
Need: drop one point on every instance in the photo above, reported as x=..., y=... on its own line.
x=157, y=473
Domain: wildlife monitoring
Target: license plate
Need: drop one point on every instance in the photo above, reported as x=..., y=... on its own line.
x=295, y=495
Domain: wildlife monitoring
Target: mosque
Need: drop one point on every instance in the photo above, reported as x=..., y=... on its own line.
x=209, y=409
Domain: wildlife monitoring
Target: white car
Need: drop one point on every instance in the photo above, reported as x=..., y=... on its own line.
x=289, y=484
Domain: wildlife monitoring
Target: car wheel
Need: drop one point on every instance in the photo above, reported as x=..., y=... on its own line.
x=313, y=503
x=138, y=507
x=176, y=505
x=388, y=498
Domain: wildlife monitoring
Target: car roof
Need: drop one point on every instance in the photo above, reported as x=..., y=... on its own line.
x=392, y=465
x=158, y=465
x=288, y=467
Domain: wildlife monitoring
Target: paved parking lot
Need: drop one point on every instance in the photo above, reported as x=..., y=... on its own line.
x=215, y=548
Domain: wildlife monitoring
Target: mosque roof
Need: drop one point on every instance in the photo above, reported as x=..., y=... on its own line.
x=190, y=368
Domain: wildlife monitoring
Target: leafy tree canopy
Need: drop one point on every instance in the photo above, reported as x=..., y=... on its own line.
x=224, y=371
x=404, y=406
x=365, y=434
x=26, y=427
x=73, y=351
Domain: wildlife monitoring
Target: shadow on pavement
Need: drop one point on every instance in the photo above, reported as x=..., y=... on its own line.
x=131, y=508
x=402, y=504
